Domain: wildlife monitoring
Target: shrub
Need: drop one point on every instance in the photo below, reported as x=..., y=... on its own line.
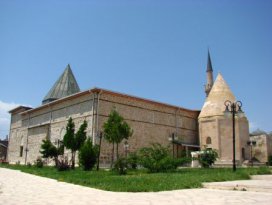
x=270, y=160
x=4, y=162
x=63, y=165
x=39, y=162
x=121, y=165
x=29, y=164
x=208, y=157
x=263, y=170
x=88, y=155
x=132, y=160
x=156, y=159
x=184, y=160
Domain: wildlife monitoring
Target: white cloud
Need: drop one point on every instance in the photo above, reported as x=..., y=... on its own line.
x=5, y=117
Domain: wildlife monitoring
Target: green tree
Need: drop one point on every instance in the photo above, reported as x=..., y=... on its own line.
x=48, y=150
x=72, y=140
x=115, y=130
x=81, y=135
x=88, y=155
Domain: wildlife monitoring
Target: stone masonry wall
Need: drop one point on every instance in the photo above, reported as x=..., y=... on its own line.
x=151, y=123
x=47, y=122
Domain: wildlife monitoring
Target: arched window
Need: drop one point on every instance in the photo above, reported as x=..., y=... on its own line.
x=208, y=140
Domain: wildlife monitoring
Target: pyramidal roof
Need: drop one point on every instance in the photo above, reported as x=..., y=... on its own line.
x=64, y=86
x=214, y=104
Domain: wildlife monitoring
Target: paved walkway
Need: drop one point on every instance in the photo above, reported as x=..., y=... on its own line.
x=20, y=188
x=259, y=183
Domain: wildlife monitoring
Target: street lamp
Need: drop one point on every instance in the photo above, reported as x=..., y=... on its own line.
x=99, y=135
x=251, y=143
x=232, y=109
x=126, y=146
x=172, y=139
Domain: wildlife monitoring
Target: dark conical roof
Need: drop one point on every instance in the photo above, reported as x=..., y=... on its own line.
x=209, y=63
x=64, y=86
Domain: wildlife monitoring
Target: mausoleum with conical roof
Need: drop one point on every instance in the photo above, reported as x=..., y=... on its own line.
x=215, y=129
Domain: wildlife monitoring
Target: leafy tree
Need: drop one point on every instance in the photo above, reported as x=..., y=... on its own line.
x=88, y=155
x=69, y=137
x=208, y=157
x=48, y=150
x=74, y=141
x=81, y=135
x=157, y=159
x=115, y=130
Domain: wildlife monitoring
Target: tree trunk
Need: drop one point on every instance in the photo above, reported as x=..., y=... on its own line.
x=56, y=161
x=73, y=160
x=112, y=155
x=117, y=152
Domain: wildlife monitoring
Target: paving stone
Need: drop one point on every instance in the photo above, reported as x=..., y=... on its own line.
x=25, y=189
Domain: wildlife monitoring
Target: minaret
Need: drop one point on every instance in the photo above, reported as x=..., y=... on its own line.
x=209, y=72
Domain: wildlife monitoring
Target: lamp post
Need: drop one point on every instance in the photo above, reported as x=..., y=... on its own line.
x=232, y=109
x=126, y=146
x=251, y=143
x=99, y=135
x=172, y=139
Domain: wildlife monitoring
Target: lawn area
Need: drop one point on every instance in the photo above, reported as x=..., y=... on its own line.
x=140, y=180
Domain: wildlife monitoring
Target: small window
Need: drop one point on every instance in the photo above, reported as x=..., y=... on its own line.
x=21, y=151
x=208, y=140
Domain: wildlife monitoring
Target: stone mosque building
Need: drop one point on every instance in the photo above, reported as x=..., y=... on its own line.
x=151, y=121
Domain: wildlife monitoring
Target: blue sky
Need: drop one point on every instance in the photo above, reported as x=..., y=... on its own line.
x=152, y=49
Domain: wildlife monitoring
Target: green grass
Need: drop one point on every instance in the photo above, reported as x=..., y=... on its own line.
x=141, y=181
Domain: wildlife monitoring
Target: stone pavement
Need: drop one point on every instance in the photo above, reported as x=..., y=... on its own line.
x=259, y=183
x=20, y=188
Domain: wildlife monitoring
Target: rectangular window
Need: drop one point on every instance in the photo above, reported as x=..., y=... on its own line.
x=21, y=150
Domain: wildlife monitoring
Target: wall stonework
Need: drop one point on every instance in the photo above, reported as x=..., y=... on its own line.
x=151, y=122
x=29, y=128
x=263, y=148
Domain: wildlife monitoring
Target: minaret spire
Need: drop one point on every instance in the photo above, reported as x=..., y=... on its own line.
x=209, y=72
x=209, y=63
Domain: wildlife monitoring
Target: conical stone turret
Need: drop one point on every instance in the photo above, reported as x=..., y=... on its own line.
x=66, y=85
x=214, y=103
